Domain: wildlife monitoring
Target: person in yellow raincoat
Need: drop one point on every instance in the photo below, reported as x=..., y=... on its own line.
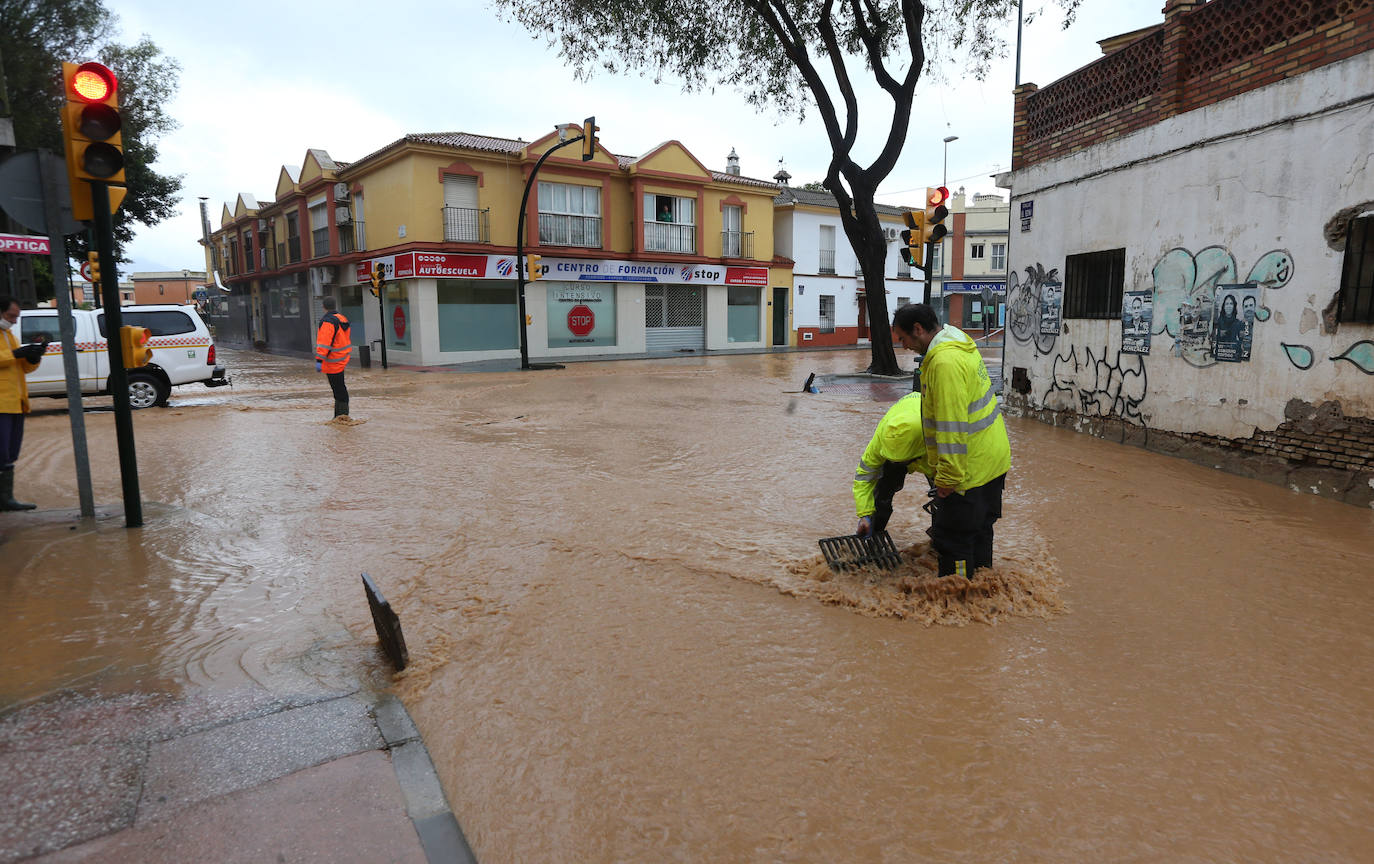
x=15, y=363
x=897, y=449
x=965, y=438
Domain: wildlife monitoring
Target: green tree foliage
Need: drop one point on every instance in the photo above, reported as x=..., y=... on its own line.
x=36, y=37
x=791, y=56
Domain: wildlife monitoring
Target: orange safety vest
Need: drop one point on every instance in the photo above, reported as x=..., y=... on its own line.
x=332, y=344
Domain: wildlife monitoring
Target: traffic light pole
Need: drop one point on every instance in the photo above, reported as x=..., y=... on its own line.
x=520, y=255
x=119, y=376
x=381, y=317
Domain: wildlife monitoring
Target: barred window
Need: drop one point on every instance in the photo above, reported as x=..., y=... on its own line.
x=1357, y=274
x=1093, y=283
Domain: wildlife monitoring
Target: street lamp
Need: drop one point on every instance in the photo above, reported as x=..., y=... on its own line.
x=944, y=180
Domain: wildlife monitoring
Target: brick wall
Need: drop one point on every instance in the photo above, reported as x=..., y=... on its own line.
x=1201, y=55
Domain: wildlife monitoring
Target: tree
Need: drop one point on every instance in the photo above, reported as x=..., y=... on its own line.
x=36, y=37
x=789, y=56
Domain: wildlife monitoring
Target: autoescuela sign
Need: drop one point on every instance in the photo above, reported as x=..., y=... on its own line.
x=447, y=265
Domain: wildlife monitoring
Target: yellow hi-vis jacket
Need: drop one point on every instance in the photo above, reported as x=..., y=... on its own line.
x=964, y=431
x=14, y=389
x=898, y=438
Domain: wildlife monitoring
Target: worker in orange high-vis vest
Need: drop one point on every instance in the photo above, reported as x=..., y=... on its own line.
x=333, y=347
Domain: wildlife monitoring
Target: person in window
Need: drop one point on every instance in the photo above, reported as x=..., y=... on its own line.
x=665, y=212
x=15, y=362
x=1227, y=331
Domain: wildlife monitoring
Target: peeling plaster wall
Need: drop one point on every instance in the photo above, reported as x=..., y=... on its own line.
x=1240, y=191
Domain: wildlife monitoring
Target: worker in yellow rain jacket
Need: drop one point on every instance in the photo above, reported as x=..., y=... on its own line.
x=965, y=437
x=897, y=449
x=333, y=347
x=16, y=361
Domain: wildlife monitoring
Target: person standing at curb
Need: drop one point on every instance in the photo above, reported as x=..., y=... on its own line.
x=333, y=348
x=15, y=363
x=965, y=436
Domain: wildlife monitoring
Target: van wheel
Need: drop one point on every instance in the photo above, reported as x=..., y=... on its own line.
x=146, y=390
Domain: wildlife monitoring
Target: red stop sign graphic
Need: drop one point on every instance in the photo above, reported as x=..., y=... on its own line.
x=398, y=322
x=581, y=320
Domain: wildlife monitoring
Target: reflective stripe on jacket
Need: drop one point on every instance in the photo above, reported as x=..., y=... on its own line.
x=14, y=389
x=964, y=430
x=897, y=439
x=332, y=344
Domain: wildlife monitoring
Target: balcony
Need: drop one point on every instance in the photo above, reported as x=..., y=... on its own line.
x=558, y=230
x=345, y=238
x=827, y=262
x=737, y=244
x=466, y=225
x=667, y=237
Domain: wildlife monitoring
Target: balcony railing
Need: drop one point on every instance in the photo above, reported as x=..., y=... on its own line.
x=466, y=225
x=559, y=230
x=248, y=262
x=359, y=234
x=320, y=244
x=267, y=258
x=293, y=249
x=667, y=237
x=827, y=261
x=345, y=238
x=737, y=244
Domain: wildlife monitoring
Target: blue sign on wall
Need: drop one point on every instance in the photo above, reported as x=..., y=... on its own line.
x=965, y=287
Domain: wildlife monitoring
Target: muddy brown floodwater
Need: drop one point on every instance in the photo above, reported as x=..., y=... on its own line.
x=625, y=648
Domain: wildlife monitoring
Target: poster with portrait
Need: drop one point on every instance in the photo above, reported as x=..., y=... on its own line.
x=1051, y=307
x=1194, y=326
x=1233, y=322
x=1137, y=317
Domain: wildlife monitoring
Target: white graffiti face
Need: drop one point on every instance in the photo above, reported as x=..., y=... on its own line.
x=1023, y=307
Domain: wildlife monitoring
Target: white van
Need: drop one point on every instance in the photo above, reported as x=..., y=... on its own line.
x=183, y=352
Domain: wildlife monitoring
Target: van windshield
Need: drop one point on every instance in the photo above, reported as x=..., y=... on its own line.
x=164, y=322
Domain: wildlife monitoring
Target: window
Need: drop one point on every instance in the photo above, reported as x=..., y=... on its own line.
x=165, y=323
x=742, y=312
x=293, y=239
x=569, y=215
x=319, y=229
x=34, y=326
x=999, y=256
x=461, y=216
x=732, y=233
x=477, y=316
x=1093, y=283
x=359, y=225
x=827, y=264
x=975, y=251
x=233, y=261
x=670, y=224
x=827, y=312
x=1357, y=275
x=936, y=254
x=901, y=301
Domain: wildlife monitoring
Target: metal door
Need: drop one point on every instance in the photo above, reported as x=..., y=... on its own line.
x=674, y=318
x=780, y=316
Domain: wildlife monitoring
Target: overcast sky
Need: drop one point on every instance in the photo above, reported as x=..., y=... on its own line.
x=262, y=82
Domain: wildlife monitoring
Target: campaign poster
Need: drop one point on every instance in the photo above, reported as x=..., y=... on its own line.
x=1051, y=307
x=1233, y=322
x=1137, y=317
x=1194, y=326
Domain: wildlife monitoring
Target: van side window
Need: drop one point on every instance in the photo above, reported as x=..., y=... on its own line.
x=34, y=326
x=163, y=323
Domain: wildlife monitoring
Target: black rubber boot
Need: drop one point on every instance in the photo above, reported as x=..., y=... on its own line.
x=7, y=501
x=340, y=407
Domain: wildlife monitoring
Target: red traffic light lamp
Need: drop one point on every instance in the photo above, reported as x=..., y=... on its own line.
x=934, y=228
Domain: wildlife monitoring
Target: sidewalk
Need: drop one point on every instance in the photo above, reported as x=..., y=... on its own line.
x=247, y=778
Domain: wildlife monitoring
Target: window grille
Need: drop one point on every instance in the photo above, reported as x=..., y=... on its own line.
x=1093, y=282
x=827, y=310
x=1357, y=273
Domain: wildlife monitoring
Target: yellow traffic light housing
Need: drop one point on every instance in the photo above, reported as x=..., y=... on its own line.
x=913, y=237
x=133, y=342
x=94, y=259
x=935, y=213
x=589, y=130
x=533, y=269
x=91, y=131
x=378, y=279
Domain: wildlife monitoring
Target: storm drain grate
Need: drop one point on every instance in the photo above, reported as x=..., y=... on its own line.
x=853, y=551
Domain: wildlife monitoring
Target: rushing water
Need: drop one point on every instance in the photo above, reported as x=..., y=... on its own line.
x=625, y=646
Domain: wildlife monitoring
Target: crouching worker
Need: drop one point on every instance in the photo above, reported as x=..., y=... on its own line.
x=897, y=449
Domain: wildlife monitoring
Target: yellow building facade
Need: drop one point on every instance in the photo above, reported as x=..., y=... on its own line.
x=649, y=255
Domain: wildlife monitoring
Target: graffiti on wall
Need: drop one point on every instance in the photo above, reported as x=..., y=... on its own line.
x=1185, y=287
x=1097, y=387
x=1025, y=306
x=1361, y=354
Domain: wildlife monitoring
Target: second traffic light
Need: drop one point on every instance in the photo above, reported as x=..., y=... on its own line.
x=133, y=343
x=378, y=279
x=589, y=130
x=94, y=258
x=533, y=269
x=91, y=130
x=913, y=237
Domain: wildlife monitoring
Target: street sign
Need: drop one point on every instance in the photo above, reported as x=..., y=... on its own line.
x=21, y=191
x=27, y=244
x=398, y=322
x=201, y=294
x=581, y=320
x=86, y=271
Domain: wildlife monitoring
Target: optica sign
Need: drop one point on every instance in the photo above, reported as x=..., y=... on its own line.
x=30, y=244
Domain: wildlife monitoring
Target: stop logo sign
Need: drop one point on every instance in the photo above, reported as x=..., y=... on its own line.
x=581, y=320
x=398, y=321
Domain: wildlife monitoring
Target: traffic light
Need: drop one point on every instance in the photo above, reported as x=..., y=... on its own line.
x=378, y=279
x=936, y=211
x=94, y=258
x=133, y=341
x=913, y=237
x=589, y=130
x=533, y=269
x=91, y=131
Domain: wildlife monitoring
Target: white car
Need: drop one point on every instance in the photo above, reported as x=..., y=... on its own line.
x=183, y=352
